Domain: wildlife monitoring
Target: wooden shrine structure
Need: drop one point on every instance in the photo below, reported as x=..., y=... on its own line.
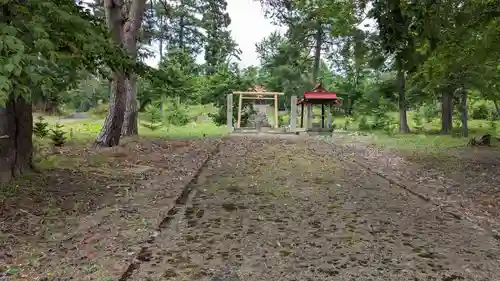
x=258, y=93
x=317, y=96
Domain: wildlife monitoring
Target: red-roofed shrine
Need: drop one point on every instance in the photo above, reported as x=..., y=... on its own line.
x=318, y=95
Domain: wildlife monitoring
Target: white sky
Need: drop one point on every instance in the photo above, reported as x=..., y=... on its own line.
x=248, y=27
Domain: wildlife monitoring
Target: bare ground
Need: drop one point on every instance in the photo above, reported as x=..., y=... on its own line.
x=466, y=179
x=272, y=210
x=258, y=210
x=86, y=219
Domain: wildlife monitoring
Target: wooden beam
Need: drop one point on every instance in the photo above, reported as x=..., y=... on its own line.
x=302, y=115
x=229, y=113
x=256, y=98
x=258, y=93
x=240, y=105
x=322, y=116
x=276, y=121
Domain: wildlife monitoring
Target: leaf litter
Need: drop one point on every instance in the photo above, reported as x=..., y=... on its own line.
x=85, y=218
x=271, y=209
x=262, y=209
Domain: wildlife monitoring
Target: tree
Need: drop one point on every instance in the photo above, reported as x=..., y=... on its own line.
x=130, y=37
x=122, y=113
x=219, y=44
x=393, y=23
x=40, y=33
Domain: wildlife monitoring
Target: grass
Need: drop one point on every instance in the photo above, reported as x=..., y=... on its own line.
x=84, y=130
x=428, y=139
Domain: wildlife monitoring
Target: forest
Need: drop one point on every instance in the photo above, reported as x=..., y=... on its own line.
x=399, y=66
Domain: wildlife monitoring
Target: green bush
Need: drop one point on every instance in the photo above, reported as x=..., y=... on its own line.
x=493, y=126
x=220, y=117
x=391, y=128
x=381, y=119
x=40, y=128
x=417, y=121
x=347, y=123
x=58, y=136
x=363, y=124
x=481, y=110
x=176, y=114
x=100, y=110
x=429, y=112
x=153, y=118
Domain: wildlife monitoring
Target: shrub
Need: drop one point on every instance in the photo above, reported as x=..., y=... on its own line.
x=381, y=119
x=417, y=121
x=176, y=114
x=153, y=118
x=493, y=126
x=58, y=136
x=481, y=111
x=391, y=128
x=40, y=128
x=220, y=117
x=348, y=122
x=363, y=124
x=429, y=112
x=100, y=110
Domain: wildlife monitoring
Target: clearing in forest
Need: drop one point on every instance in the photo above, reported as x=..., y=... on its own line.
x=272, y=210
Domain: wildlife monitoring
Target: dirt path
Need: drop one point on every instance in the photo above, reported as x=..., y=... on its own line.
x=276, y=210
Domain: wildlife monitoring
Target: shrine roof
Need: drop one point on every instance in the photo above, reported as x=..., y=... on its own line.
x=319, y=93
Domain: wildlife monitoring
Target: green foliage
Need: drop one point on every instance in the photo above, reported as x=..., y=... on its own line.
x=381, y=119
x=481, y=110
x=101, y=110
x=429, y=112
x=176, y=114
x=417, y=121
x=348, y=121
x=493, y=126
x=40, y=127
x=152, y=118
x=58, y=135
x=363, y=124
x=391, y=128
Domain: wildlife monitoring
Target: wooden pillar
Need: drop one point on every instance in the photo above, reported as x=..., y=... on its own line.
x=240, y=105
x=229, y=113
x=293, y=114
x=309, y=116
x=329, y=116
x=276, y=121
x=302, y=115
x=323, y=116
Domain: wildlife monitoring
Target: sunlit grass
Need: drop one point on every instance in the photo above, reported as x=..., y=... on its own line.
x=87, y=129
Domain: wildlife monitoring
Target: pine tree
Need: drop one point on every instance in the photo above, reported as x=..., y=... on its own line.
x=40, y=128
x=58, y=136
x=153, y=116
x=219, y=45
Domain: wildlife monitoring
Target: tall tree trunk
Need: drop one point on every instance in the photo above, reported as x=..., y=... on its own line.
x=464, y=111
x=317, y=53
x=447, y=112
x=160, y=49
x=403, y=119
x=16, y=143
x=317, y=62
x=131, y=29
x=111, y=129
x=181, y=25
